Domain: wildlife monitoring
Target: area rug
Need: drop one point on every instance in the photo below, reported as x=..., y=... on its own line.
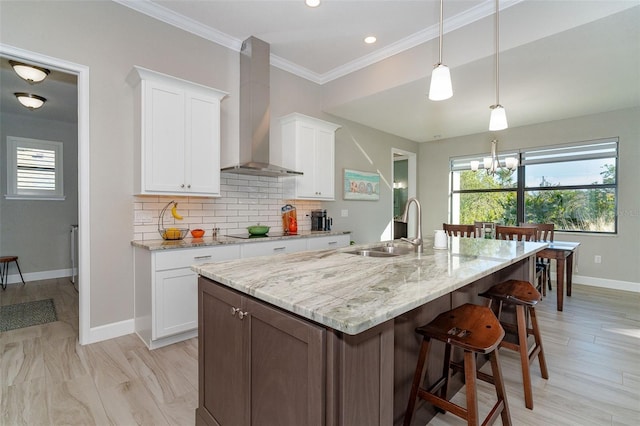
x=27, y=314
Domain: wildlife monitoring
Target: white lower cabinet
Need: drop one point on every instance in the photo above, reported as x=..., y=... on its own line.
x=166, y=291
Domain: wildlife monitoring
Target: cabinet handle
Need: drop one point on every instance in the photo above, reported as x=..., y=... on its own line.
x=234, y=311
x=182, y=186
x=189, y=186
x=332, y=242
x=201, y=257
x=242, y=315
x=278, y=248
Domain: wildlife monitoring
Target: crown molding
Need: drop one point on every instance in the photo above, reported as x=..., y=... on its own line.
x=452, y=23
x=170, y=17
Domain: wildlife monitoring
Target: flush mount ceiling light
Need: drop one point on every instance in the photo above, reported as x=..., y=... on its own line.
x=30, y=73
x=30, y=101
x=498, y=120
x=312, y=3
x=440, y=88
x=492, y=164
x=370, y=39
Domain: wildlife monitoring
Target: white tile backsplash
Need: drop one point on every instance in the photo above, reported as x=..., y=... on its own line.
x=244, y=201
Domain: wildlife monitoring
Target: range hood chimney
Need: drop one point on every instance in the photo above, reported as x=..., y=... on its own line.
x=255, y=114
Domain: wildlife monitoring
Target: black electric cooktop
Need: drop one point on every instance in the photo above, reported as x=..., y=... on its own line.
x=247, y=236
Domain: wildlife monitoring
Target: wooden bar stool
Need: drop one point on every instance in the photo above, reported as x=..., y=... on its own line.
x=476, y=330
x=524, y=296
x=4, y=269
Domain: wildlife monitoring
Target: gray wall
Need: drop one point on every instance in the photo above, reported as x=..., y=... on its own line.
x=38, y=231
x=620, y=253
x=110, y=39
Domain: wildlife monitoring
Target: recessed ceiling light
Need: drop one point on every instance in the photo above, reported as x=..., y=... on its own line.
x=370, y=39
x=312, y=3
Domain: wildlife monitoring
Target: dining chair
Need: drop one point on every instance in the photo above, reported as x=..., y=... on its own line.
x=468, y=231
x=516, y=233
x=545, y=233
x=483, y=227
x=524, y=233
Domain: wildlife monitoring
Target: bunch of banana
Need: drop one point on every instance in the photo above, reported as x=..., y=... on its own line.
x=174, y=212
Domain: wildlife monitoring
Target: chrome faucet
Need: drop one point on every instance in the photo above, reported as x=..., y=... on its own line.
x=417, y=241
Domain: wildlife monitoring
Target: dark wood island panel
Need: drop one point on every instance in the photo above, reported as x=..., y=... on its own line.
x=260, y=365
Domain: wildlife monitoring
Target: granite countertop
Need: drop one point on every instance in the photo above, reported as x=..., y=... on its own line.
x=352, y=293
x=188, y=242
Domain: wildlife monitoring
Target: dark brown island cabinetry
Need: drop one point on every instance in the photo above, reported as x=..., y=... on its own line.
x=262, y=365
x=258, y=365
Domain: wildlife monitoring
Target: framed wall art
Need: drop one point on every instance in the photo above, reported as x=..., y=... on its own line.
x=364, y=186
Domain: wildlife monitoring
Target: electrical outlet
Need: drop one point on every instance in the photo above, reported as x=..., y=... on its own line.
x=597, y=258
x=345, y=213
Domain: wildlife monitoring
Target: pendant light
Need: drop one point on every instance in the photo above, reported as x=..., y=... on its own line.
x=498, y=120
x=29, y=73
x=440, y=88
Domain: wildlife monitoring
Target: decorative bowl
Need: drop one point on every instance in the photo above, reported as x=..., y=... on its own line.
x=258, y=229
x=173, y=233
x=197, y=233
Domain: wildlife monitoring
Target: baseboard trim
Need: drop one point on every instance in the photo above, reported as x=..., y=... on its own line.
x=37, y=276
x=605, y=283
x=111, y=331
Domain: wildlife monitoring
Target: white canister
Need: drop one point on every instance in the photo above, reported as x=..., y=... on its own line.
x=440, y=240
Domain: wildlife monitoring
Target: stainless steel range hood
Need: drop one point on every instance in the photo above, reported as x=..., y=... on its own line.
x=255, y=113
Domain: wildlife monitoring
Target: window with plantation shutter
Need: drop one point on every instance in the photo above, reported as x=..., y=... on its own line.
x=34, y=169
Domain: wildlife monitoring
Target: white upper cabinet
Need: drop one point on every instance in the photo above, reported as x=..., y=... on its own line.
x=308, y=146
x=178, y=125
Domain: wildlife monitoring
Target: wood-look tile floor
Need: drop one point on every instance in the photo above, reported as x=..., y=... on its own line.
x=47, y=378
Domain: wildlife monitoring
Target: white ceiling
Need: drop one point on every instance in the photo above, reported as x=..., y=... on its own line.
x=559, y=58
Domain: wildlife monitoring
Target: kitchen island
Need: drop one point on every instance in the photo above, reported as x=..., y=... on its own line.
x=327, y=337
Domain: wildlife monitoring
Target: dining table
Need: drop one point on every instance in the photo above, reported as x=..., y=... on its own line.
x=562, y=252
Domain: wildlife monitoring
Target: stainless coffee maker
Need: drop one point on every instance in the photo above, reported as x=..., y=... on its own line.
x=320, y=221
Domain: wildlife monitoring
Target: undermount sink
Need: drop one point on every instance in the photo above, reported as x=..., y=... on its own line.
x=371, y=253
x=389, y=250
x=394, y=249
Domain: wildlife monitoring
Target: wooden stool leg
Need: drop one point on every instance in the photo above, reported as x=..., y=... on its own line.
x=446, y=373
x=20, y=272
x=524, y=355
x=3, y=275
x=500, y=390
x=418, y=377
x=470, y=383
x=538, y=340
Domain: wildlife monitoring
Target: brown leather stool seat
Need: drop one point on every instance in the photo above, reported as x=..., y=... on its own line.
x=4, y=269
x=476, y=330
x=524, y=296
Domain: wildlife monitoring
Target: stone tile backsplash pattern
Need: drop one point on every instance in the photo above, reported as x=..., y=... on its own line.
x=244, y=201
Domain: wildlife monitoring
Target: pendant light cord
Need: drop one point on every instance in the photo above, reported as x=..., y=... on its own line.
x=497, y=52
x=441, y=26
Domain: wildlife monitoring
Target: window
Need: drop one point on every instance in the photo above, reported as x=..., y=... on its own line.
x=34, y=169
x=572, y=186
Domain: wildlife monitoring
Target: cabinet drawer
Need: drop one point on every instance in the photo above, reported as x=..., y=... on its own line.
x=273, y=247
x=182, y=258
x=329, y=242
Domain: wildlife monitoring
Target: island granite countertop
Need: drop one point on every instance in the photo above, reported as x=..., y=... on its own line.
x=223, y=239
x=352, y=293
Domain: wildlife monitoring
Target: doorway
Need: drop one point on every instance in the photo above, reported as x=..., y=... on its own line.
x=81, y=74
x=404, y=187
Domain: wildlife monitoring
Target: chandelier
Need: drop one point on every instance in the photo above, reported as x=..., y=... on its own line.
x=492, y=164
